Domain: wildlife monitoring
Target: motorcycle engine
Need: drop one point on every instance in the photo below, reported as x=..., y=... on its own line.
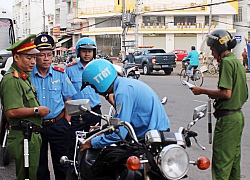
x=155, y=140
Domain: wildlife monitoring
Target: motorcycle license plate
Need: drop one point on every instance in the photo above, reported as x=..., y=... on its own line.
x=137, y=72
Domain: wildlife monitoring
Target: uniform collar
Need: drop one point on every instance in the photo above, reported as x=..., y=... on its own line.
x=37, y=72
x=116, y=83
x=79, y=64
x=20, y=72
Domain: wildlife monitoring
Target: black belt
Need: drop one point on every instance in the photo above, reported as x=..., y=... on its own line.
x=34, y=128
x=220, y=113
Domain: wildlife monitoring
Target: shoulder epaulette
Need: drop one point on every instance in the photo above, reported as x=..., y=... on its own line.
x=71, y=64
x=16, y=74
x=59, y=69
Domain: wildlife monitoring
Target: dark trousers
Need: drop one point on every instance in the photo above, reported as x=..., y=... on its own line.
x=82, y=123
x=58, y=136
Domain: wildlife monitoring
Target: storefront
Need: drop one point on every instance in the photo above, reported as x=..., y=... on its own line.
x=110, y=44
x=157, y=40
x=185, y=41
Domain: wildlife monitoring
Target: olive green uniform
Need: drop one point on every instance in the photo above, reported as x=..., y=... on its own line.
x=17, y=93
x=228, y=129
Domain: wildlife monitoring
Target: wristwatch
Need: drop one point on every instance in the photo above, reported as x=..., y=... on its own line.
x=36, y=111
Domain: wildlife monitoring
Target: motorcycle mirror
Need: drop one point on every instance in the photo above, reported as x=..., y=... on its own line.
x=200, y=110
x=73, y=107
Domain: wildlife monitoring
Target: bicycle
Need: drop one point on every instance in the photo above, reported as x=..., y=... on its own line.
x=213, y=67
x=198, y=75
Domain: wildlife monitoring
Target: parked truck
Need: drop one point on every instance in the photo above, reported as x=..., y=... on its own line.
x=149, y=58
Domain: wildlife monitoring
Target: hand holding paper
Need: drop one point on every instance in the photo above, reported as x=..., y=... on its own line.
x=188, y=84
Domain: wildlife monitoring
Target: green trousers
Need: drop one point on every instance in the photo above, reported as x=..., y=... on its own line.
x=15, y=148
x=227, y=147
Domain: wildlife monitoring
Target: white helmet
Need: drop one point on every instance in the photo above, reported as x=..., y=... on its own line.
x=130, y=51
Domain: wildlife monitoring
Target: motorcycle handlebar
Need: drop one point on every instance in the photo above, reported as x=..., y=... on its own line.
x=95, y=131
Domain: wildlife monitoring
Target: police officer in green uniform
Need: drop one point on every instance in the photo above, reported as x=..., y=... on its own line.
x=230, y=96
x=22, y=108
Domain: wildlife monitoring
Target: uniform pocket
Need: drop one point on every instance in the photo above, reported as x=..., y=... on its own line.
x=55, y=89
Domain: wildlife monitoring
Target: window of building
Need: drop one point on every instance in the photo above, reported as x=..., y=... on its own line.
x=214, y=19
x=153, y=19
x=105, y=22
x=238, y=17
x=184, y=19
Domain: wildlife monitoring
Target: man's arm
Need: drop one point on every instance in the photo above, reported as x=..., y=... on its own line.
x=27, y=112
x=218, y=93
x=68, y=117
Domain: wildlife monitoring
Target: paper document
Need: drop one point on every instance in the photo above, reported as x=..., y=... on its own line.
x=188, y=84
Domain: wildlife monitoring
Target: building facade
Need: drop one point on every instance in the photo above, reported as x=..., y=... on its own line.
x=172, y=24
x=30, y=18
x=242, y=26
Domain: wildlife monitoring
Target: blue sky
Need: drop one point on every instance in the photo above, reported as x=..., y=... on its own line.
x=7, y=4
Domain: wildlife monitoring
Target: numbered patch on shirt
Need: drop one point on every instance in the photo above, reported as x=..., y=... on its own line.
x=118, y=107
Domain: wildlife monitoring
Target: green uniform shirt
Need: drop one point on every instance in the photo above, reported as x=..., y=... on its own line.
x=15, y=92
x=232, y=76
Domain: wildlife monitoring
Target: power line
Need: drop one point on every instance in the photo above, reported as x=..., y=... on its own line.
x=176, y=9
x=193, y=7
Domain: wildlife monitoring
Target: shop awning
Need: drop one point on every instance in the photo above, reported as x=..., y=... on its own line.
x=58, y=44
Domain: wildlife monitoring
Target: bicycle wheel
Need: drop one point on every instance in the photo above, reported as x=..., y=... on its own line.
x=184, y=76
x=211, y=69
x=199, y=77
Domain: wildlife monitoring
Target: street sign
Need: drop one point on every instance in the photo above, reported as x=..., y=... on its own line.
x=238, y=38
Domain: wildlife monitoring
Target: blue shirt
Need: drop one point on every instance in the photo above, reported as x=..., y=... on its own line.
x=194, y=58
x=52, y=90
x=137, y=104
x=75, y=75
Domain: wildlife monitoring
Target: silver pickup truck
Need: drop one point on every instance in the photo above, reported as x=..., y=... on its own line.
x=149, y=59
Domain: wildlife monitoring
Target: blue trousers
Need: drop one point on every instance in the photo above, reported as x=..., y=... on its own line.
x=57, y=135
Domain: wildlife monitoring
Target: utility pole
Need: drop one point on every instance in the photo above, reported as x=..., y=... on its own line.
x=209, y=27
x=123, y=29
x=44, y=29
x=136, y=24
x=210, y=17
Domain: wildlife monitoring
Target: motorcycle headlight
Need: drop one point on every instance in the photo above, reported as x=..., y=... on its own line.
x=173, y=161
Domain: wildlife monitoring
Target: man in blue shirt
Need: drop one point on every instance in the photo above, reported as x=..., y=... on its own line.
x=53, y=89
x=135, y=102
x=86, y=51
x=193, y=56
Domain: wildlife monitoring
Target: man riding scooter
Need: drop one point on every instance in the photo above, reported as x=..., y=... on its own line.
x=129, y=65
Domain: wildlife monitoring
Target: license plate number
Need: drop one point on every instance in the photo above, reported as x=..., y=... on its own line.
x=137, y=72
x=165, y=66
